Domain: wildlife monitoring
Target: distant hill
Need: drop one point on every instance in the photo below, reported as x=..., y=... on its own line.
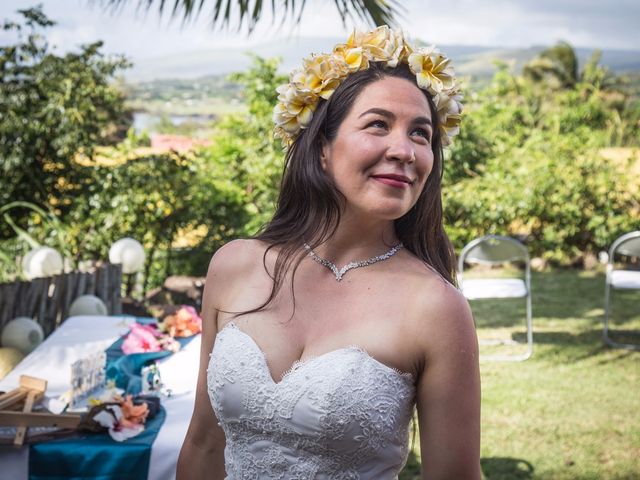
x=469, y=60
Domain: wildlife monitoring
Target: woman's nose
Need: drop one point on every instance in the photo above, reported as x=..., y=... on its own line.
x=400, y=149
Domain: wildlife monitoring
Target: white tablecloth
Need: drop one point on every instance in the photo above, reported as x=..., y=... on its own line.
x=82, y=336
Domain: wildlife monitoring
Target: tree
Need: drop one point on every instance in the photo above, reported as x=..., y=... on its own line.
x=244, y=155
x=53, y=108
x=378, y=12
x=528, y=162
x=558, y=63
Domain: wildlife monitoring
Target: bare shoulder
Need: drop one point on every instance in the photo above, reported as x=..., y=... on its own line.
x=230, y=266
x=441, y=321
x=236, y=255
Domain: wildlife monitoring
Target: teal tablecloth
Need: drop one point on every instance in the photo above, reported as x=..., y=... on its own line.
x=98, y=456
x=95, y=456
x=125, y=369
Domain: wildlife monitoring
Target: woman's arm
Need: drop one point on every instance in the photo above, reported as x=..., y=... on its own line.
x=202, y=453
x=448, y=394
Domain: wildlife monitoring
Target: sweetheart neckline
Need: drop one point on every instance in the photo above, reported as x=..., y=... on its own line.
x=298, y=364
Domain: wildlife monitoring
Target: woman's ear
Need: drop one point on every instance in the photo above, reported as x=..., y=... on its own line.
x=324, y=155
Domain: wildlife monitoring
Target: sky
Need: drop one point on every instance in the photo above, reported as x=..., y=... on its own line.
x=141, y=34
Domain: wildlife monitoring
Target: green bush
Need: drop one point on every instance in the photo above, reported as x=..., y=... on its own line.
x=528, y=165
x=562, y=202
x=152, y=198
x=53, y=107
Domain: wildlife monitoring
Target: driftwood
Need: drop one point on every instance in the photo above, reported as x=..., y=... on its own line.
x=47, y=300
x=179, y=290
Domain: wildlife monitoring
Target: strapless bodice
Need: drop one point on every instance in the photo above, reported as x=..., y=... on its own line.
x=342, y=415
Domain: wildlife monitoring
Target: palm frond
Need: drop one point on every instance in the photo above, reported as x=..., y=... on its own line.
x=224, y=12
x=374, y=12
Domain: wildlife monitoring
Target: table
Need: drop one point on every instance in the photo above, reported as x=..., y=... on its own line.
x=82, y=336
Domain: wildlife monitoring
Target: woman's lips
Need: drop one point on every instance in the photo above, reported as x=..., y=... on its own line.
x=397, y=181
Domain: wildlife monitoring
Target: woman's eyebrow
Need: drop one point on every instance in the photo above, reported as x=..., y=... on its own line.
x=379, y=111
x=423, y=120
x=391, y=115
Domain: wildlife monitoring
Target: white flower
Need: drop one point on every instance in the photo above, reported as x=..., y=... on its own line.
x=112, y=422
x=432, y=69
x=321, y=74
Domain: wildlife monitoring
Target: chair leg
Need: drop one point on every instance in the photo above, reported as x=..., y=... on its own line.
x=529, y=352
x=529, y=328
x=607, y=297
x=605, y=332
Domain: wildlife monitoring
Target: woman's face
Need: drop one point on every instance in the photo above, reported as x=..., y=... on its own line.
x=381, y=156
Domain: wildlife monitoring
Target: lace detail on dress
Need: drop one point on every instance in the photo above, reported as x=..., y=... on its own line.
x=341, y=415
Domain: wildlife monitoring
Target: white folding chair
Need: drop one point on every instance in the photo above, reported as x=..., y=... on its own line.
x=620, y=279
x=493, y=250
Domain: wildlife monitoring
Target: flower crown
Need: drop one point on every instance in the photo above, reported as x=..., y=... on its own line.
x=322, y=73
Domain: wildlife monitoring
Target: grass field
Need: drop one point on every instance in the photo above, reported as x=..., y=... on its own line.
x=572, y=411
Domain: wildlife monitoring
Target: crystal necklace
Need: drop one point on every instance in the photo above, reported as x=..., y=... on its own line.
x=361, y=263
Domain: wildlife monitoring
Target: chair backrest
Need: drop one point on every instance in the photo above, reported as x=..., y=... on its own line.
x=493, y=249
x=627, y=244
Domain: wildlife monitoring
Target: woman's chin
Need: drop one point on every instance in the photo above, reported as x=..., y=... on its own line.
x=385, y=212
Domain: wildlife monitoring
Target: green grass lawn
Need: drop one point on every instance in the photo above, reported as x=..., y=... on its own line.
x=572, y=411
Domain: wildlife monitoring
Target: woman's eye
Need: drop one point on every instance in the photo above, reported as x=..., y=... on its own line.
x=421, y=132
x=377, y=124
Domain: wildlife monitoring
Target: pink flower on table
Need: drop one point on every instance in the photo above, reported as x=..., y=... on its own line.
x=141, y=339
x=151, y=328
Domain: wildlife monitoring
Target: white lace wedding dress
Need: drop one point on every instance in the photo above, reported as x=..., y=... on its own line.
x=342, y=415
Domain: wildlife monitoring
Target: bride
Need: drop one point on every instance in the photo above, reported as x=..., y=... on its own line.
x=324, y=331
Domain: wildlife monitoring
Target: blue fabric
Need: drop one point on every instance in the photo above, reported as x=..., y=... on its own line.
x=95, y=456
x=125, y=369
x=98, y=456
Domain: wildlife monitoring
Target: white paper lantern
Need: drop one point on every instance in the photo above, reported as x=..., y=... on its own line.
x=87, y=305
x=26, y=262
x=22, y=333
x=42, y=262
x=129, y=253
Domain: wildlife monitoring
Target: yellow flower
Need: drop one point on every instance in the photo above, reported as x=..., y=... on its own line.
x=432, y=69
x=287, y=121
x=449, y=102
x=449, y=106
x=285, y=138
x=380, y=45
x=294, y=110
x=449, y=128
x=374, y=41
x=353, y=57
x=295, y=103
x=321, y=74
x=400, y=50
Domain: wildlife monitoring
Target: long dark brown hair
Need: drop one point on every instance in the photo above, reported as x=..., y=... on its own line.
x=310, y=205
